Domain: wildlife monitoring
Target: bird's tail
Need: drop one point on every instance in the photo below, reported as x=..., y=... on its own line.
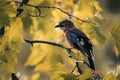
x=91, y=62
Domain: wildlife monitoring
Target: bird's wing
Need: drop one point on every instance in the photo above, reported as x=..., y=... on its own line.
x=80, y=41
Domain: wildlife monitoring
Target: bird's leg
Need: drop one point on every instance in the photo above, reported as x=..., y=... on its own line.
x=79, y=70
x=73, y=69
x=77, y=66
x=95, y=72
x=97, y=77
x=86, y=63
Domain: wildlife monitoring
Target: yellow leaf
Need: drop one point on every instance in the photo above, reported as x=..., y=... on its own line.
x=109, y=76
x=10, y=45
x=35, y=57
x=35, y=76
x=117, y=50
x=11, y=67
x=96, y=4
x=45, y=66
x=118, y=76
x=35, y=2
x=85, y=76
x=59, y=72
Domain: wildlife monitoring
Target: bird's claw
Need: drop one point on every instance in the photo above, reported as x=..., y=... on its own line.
x=96, y=75
x=96, y=72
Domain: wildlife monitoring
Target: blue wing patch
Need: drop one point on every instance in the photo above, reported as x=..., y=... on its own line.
x=78, y=44
x=73, y=38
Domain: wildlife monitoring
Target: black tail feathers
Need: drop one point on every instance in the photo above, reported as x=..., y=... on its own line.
x=91, y=63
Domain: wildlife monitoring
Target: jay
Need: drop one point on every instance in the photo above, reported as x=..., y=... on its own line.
x=78, y=40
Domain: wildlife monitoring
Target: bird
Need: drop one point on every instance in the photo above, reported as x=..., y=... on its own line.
x=78, y=40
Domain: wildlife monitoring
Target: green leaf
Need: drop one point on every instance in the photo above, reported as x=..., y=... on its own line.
x=115, y=33
x=9, y=46
x=7, y=11
x=98, y=35
x=68, y=76
x=95, y=33
x=4, y=19
x=86, y=75
x=116, y=36
x=118, y=76
x=59, y=72
x=27, y=22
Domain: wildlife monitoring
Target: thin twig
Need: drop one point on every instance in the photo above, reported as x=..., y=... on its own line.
x=73, y=69
x=78, y=68
x=54, y=7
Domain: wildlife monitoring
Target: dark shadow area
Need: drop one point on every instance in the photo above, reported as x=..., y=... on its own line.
x=113, y=6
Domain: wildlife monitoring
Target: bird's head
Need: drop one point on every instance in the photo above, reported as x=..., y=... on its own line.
x=65, y=24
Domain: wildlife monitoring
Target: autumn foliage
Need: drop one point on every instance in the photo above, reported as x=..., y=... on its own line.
x=31, y=21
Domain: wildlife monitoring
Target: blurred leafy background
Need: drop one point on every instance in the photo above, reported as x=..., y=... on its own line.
x=45, y=62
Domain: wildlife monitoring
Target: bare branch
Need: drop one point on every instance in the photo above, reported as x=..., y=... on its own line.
x=70, y=15
x=54, y=7
x=63, y=47
x=47, y=42
x=39, y=11
x=51, y=43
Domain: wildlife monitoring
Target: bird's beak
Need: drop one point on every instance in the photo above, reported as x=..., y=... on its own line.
x=57, y=26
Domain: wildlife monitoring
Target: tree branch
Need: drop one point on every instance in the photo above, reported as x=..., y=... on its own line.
x=63, y=47
x=53, y=7
x=53, y=44
x=47, y=42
